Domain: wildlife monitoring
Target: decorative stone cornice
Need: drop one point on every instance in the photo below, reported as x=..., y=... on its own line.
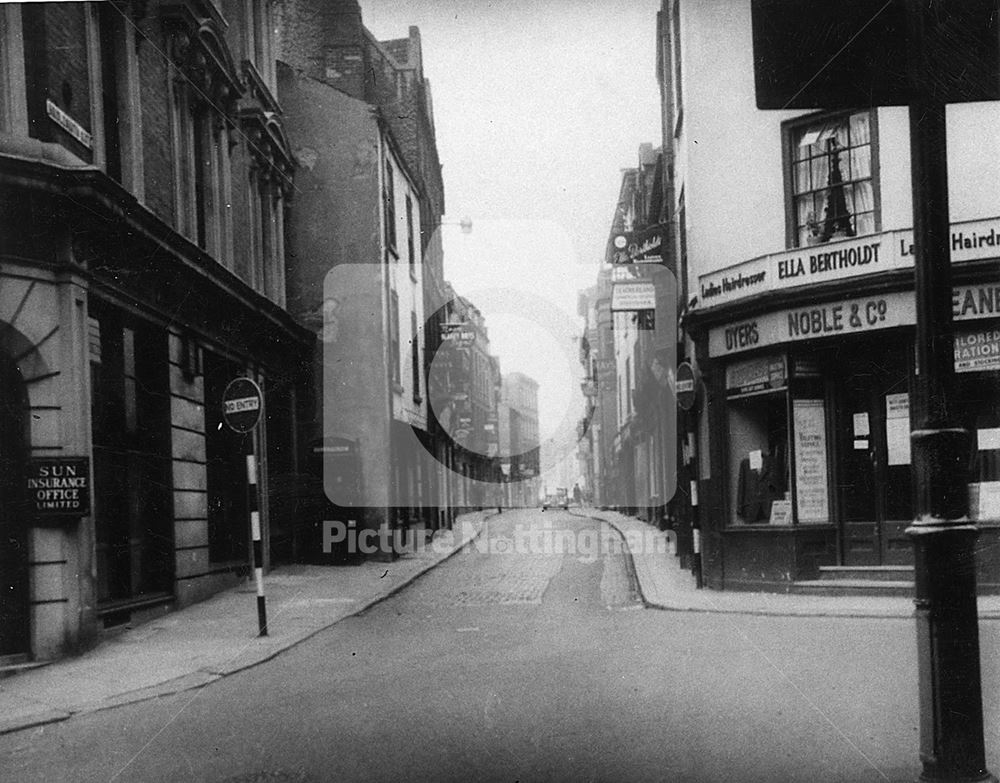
x=197, y=47
x=270, y=153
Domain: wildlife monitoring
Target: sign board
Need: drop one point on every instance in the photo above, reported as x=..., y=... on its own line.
x=633, y=296
x=765, y=373
x=781, y=512
x=639, y=247
x=839, y=54
x=59, y=486
x=977, y=351
x=68, y=124
x=850, y=316
x=822, y=320
x=845, y=259
x=897, y=428
x=241, y=405
x=686, y=387
x=811, y=484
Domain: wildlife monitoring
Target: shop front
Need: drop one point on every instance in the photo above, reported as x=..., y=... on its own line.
x=809, y=426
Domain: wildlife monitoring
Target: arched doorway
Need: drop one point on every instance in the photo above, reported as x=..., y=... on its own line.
x=14, y=637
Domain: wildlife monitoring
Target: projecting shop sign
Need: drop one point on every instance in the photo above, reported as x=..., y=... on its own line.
x=633, y=296
x=59, y=486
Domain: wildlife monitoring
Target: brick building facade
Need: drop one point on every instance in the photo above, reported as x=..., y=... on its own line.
x=144, y=174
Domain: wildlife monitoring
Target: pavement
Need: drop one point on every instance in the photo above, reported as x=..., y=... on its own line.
x=665, y=585
x=218, y=637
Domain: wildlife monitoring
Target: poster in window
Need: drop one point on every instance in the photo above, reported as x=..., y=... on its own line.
x=755, y=375
x=811, y=489
x=897, y=428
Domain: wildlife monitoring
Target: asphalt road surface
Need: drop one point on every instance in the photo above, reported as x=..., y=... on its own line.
x=508, y=666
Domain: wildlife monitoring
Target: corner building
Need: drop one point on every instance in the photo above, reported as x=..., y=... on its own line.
x=794, y=243
x=143, y=172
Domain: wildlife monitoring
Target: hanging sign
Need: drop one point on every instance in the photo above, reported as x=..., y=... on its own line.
x=638, y=247
x=633, y=296
x=59, y=486
x=241, y=405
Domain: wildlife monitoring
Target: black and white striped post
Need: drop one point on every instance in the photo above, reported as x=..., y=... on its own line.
x=258, y=548
x=242, y=402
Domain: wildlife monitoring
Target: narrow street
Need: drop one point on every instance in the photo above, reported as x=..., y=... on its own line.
x=505, y=665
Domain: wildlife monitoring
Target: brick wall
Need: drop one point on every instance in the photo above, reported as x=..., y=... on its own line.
x=156, y=138
x=324, y=40
x=56, y=68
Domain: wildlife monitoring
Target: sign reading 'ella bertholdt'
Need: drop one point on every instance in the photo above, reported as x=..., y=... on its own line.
x=59, y=486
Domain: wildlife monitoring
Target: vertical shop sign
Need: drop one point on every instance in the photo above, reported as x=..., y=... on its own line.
x=897, y=428
x=811, y=491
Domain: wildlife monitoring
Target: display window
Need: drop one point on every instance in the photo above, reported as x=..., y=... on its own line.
x=757, y=419
x=977, y=372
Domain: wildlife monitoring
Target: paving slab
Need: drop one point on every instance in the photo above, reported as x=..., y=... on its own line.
x=217, y=637
x=663, y=584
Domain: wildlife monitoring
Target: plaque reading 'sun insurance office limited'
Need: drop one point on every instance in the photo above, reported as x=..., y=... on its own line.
x=59, y=486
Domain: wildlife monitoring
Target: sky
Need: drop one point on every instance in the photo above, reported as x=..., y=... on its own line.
x=538, y=106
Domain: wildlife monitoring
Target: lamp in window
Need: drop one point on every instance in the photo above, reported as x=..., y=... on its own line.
x=836, y=217
x=190, y=358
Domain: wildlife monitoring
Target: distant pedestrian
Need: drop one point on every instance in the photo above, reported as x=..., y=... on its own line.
x=577, y=495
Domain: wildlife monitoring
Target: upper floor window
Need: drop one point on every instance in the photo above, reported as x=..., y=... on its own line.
x=832, y=184
x=415, y=368
x=410, y=249
x=394, y=336
x=389, y=199
x=259, y=38
x=675, y=50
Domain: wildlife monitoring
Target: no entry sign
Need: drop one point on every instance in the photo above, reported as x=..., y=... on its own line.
x=241, y=404
x=687, y=386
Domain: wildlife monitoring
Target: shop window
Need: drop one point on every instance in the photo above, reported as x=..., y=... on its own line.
x=977, y=361
x=757, y=418
x=833, y=186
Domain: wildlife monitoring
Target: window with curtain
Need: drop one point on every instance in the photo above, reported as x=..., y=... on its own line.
x=394, y=335
x=833, y=189
x=414, y=357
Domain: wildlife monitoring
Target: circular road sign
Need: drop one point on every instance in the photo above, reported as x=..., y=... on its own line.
x=687, y=386
x=241, y=404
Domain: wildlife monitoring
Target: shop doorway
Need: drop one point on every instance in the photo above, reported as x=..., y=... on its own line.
x=14, y=638
x=872, y=425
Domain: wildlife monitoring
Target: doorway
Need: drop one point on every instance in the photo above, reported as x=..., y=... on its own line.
x=872, y=423
x=14, y=636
